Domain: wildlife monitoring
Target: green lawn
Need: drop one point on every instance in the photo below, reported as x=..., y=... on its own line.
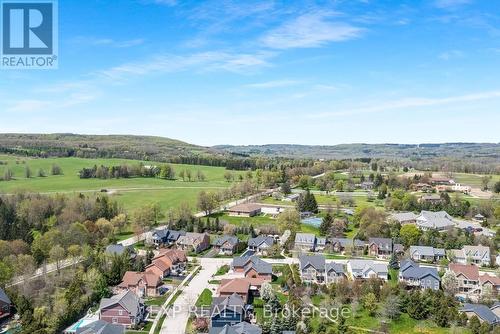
x=205, y=299
x=131, y=192
x=222, y=270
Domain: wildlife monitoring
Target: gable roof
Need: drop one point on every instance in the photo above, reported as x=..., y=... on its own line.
x=235, y=285
x=430, y=219
x=476, y=251
x=345, y=242
x=305, y=238
x=128, y=300
x=231, y=239
x=336, y=267
x=488, y=278
x=232, y=303
x=365, y=265
x=240, y=328
x=316, y=261
x=191, y=238
x=132, y=278
x=404, y=216
x=412, y=270
x=4, y=298
x=482, y=311
x=259, y=265
x=101, y=327
x=174, y=255
x=468, y=270
x=383, y=243
x=427, y=251
x=259, y=240
x=246, y=208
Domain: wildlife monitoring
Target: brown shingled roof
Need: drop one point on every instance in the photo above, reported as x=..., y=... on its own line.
x=468, y=270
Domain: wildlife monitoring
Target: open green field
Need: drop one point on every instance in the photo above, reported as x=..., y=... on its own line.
x=130, y=192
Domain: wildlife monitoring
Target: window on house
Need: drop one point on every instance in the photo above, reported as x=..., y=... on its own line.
x=115, y=320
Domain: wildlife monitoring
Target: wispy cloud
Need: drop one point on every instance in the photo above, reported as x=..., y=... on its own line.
x=274, y=84
x=446, y=4
x=451, y=54
x=93, y=41
x=204, y=61
x=408, y=103
x=310, y=30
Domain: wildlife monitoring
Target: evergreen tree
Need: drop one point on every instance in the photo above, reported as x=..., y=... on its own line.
x=326, y=224
x=393, y=262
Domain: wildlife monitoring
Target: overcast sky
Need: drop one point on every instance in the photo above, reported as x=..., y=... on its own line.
x=257, y=72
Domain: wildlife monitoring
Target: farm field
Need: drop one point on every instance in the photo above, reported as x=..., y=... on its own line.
x=130, y=192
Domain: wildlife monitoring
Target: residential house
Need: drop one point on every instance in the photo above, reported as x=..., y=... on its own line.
x=177, y=259
x=364, y=269
x=478, y=255
x=320, y=244
x=482, y=312
x=441, y=181
x=227, y=245
x=245, y=210
x=424, y=187
x=441, y=221
x=380, y=247
x=125, y=309
x=305, y=242
x=467, y=276
x=334, y=272
x=404, y=218
x=261, y=244
x=160, y=267
x=344, y=245
x=489, y=283
x=367, y=185
x=241, y=328
x=430, y=198
x=253, y=267
x=227, y=310
x=426, y=253
x=142, y=284
x=162, y=236
x=194, y=242
x=496, y=308
x=100, y=327
x=312, y=268
x=315, y=269
x=421, y=277
x=240, y=286
x=118, y=250
x=5, y=304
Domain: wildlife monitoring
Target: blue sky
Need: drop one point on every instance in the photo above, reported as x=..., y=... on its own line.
x=257, y=72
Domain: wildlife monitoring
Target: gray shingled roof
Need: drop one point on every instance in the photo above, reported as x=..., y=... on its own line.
x=101, y=327
x=233, y=303
x=412, y=270
x=427, y=251
x=404, y=216
x=305, y=238
x=336, y=267
x=227, y=238
x=383, y=243
x=440, y=219
x=3, y=297
x=259, y=240
x=482, y=311
x=316, y=261
x=260, y=266
x=128, y=300
x=241, y=328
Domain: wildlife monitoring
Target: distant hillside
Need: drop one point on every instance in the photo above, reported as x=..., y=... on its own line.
x=476, y=151
x=112, y=146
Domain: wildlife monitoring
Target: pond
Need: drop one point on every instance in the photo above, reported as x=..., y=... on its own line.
x=313, y=221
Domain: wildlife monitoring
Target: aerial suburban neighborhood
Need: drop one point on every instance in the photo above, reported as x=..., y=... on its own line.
x=249, y=167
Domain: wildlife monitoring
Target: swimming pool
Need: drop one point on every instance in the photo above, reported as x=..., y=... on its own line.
x=313, y=221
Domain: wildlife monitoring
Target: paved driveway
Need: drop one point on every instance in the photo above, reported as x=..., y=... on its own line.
x=178, y=315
